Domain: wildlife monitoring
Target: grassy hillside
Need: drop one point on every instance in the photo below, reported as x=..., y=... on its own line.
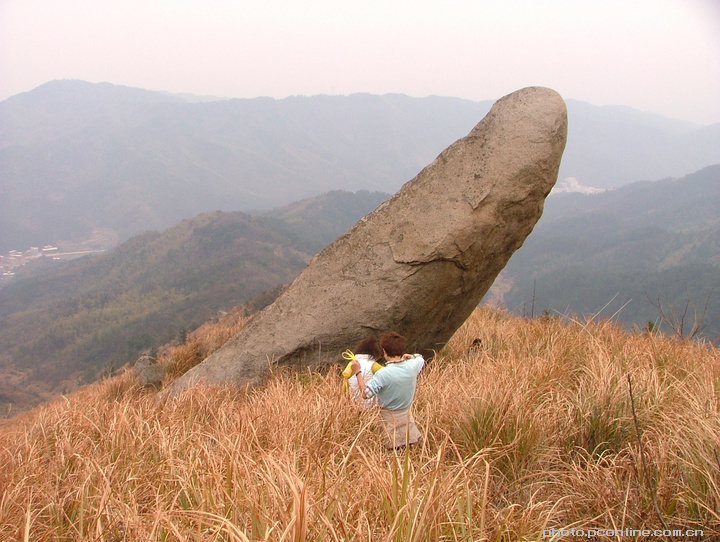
x=549, y=425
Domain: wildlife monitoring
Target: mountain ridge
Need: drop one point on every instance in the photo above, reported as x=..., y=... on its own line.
x=76, y=156
x=628, y=249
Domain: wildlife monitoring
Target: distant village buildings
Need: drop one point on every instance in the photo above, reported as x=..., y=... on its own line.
x=15, y=258
x=571, y=184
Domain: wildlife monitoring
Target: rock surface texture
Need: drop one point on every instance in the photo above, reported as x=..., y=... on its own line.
x=422, y=261
x=149, y=372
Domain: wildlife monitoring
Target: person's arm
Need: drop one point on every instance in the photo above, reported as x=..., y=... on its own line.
x=419, y=360
x=361, y=381
x=361, y=384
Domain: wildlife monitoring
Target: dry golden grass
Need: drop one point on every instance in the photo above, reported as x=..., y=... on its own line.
x=536, y=429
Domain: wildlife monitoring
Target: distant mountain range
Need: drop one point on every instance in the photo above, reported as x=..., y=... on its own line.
x=642, y=250
x=77, y=158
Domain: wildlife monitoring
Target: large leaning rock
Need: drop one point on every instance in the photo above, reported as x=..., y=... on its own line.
x=420, y=263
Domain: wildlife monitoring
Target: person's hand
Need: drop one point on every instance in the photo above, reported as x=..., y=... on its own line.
x=355, y=365
x=407, y=356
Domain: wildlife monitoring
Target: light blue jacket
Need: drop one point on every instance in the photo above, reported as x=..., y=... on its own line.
x=394, y=385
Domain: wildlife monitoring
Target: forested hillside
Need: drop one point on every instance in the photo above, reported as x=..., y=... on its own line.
x=320, y=220
x=644, y=249
x=65, y=322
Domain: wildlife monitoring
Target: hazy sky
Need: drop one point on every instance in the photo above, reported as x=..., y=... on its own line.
x=655, y=55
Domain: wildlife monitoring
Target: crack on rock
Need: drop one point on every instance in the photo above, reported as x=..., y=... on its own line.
x=418, y=265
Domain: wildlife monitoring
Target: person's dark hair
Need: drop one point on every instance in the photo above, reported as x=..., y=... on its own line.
x=370, y=346
x=393, y=343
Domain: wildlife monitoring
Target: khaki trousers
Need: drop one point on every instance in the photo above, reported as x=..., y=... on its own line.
x=400, y=428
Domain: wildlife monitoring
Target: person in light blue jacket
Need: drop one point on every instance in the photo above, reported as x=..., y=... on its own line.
x=394, y=386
